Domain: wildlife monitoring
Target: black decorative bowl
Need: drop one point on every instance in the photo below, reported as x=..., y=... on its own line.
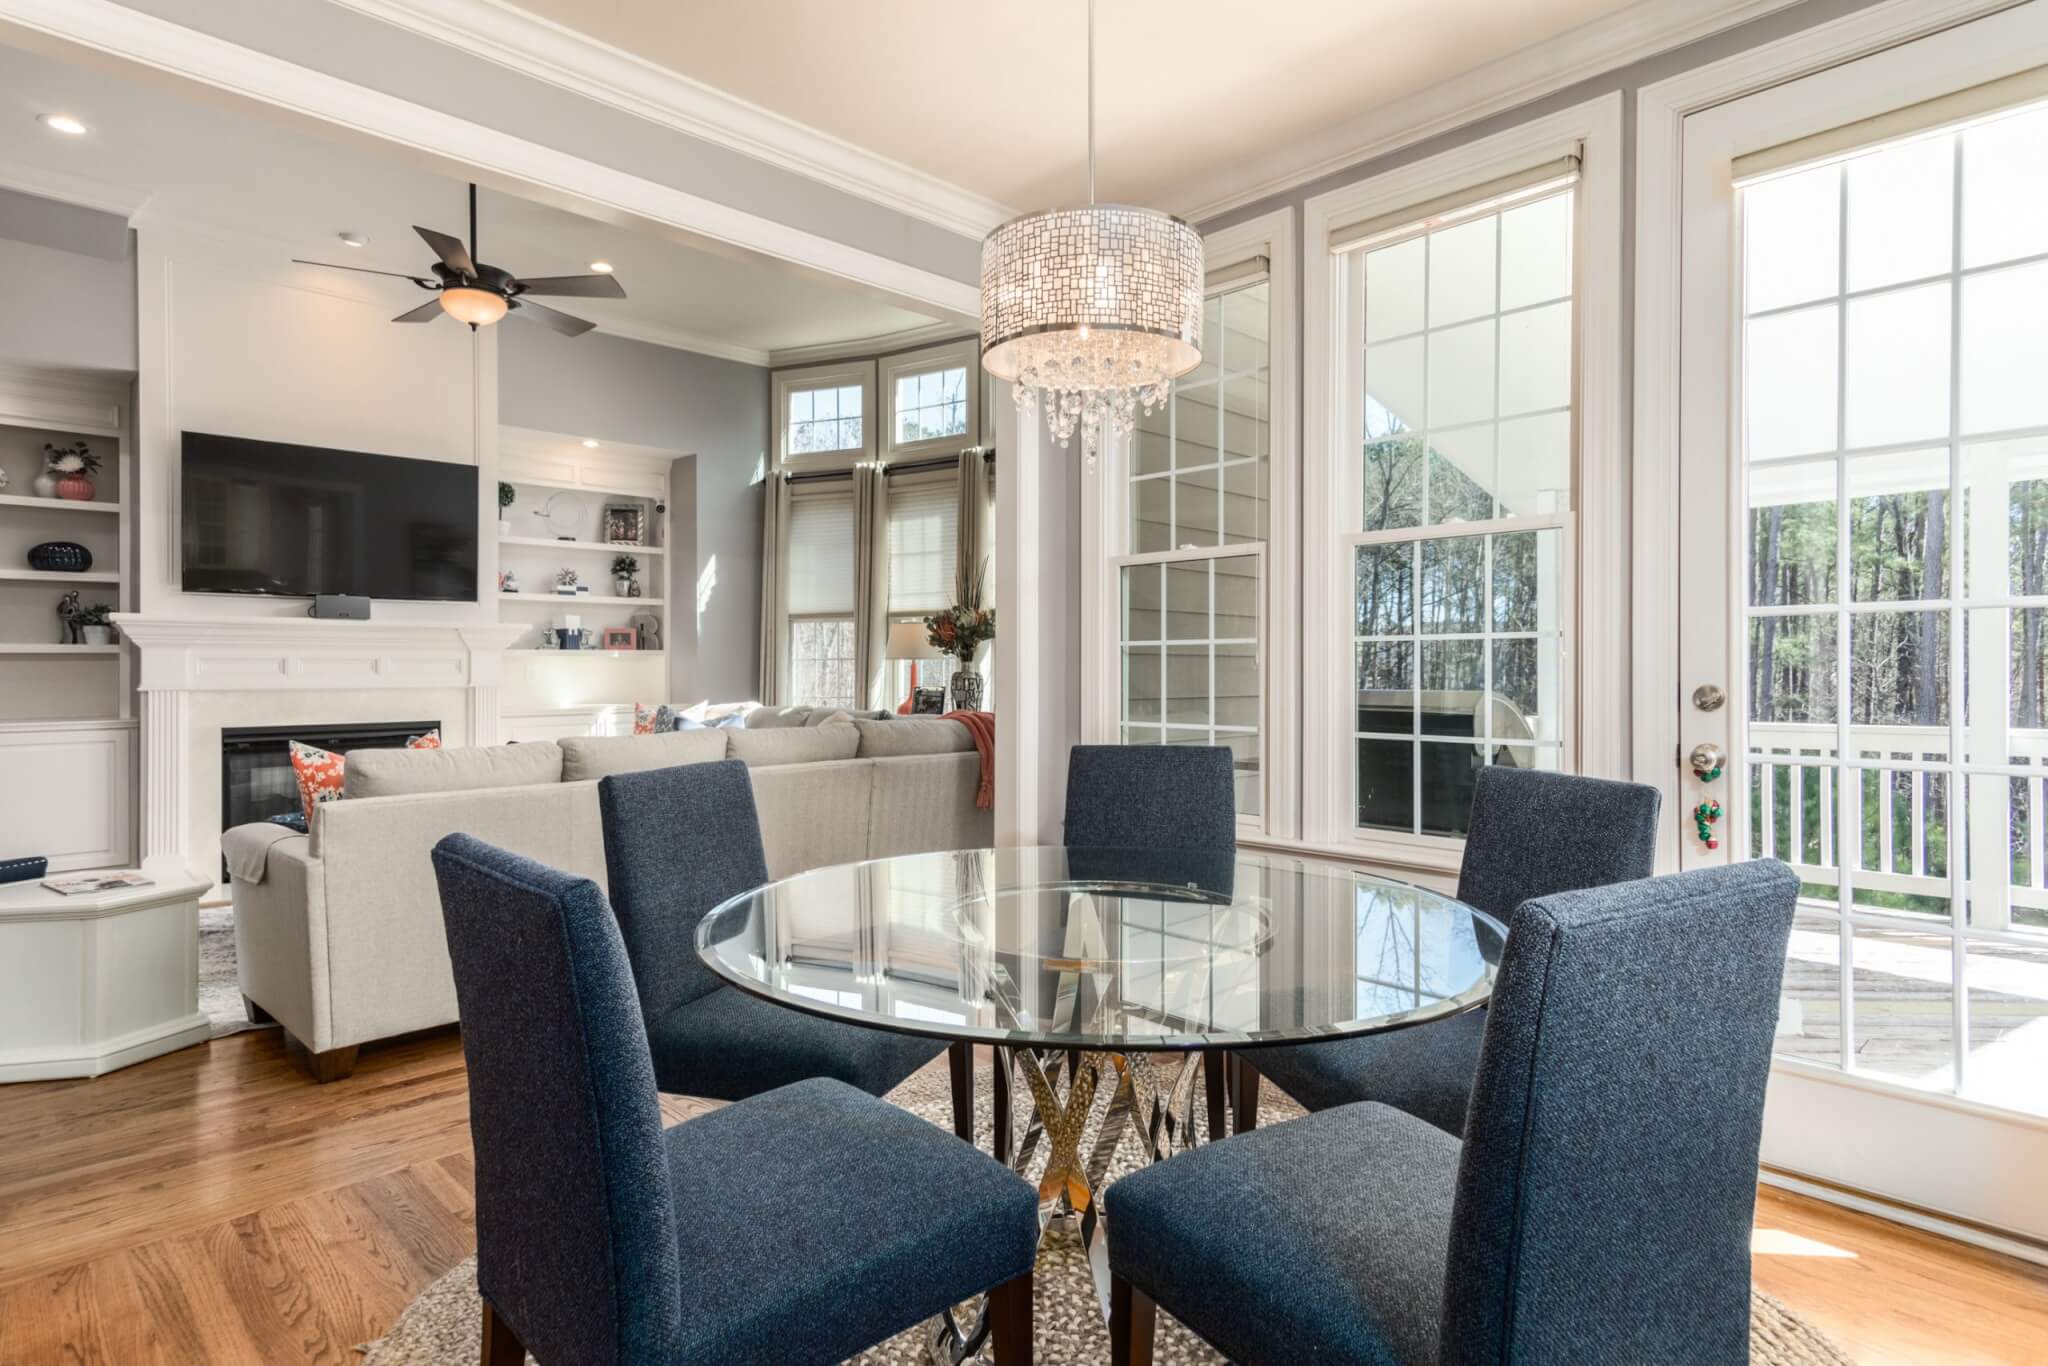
x=60, y=557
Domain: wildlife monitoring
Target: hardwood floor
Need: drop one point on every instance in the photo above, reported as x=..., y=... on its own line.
x=213, y=1206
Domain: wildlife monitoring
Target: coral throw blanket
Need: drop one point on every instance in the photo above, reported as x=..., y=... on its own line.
x=982, y=726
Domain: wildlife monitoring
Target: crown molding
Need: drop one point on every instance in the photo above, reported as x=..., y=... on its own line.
x=547, y=51
x=862, y=347
x=83, y=191
x=1642, y=30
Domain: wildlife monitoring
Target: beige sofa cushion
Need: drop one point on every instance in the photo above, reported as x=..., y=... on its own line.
x=912, y=735
x=399, y=772
x=799, y=745
x=777, y=718
x=594, y=756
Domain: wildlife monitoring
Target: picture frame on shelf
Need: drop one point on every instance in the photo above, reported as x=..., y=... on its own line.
x=625, y=523
x=927, y=701
x=621, y=638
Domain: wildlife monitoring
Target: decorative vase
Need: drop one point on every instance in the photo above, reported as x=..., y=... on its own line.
x=59, y=557
x=622, y=587
x=45, y=484
x=98, y=635
x=77, y=487
x=504, y=528
x=966, y=689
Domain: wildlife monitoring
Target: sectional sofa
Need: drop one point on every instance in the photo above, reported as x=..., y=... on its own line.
x=338, y=932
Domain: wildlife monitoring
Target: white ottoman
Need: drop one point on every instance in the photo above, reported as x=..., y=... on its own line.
x=93, y=982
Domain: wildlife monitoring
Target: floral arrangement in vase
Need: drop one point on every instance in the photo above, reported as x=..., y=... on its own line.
x=959, y=631
x=623, y=570
x=68, y=473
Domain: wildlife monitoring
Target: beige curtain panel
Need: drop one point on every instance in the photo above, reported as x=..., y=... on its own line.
x=774, y=517
x=870, y=582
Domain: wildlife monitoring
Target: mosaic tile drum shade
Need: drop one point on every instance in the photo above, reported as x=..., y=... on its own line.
x=1091, y=312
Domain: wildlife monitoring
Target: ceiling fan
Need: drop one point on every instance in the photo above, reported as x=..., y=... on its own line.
x=478, y=294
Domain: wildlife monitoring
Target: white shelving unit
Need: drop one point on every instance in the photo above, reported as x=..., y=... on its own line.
x=562, y=489
x=67, y=712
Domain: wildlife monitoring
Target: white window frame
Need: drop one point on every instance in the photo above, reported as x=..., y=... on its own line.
x=839, y=374
x=1595, y=660
x=1105, y=540
x=966, y=352
x=785, y=619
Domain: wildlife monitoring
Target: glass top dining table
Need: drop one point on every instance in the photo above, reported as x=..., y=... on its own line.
x=1108, y=950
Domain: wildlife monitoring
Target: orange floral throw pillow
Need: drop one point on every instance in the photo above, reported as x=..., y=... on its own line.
x=643, y=718
x=321, y=772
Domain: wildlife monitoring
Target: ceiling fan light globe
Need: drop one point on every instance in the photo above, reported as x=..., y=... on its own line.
x=477, y=307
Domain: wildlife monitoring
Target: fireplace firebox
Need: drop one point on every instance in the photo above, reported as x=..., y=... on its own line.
x=256, y=778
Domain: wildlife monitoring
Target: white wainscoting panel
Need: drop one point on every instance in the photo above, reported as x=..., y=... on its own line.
x=67, y=792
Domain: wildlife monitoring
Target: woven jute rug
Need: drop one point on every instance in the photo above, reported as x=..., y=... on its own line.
x=443, y=1326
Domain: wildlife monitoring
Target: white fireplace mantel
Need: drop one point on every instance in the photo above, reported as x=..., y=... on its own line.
x=184, y=657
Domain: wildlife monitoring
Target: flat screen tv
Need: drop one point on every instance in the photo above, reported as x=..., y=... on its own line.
x=267, y=517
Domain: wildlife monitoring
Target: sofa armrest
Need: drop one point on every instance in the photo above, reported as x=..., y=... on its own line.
x=280, y=941
x=385, y=951
x=925, y=802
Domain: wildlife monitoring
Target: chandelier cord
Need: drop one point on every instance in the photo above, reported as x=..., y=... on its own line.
x=1091, y=102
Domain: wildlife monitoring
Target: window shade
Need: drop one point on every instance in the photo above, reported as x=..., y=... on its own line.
x=1943, y=111
x=923, y=534
x=1471, y=202
x=1236, y=275
x=820, y=554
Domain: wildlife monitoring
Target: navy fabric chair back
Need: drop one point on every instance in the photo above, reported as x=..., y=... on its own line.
x=1151, y=797
x=1608, y=1179
x=576, y=1232
x=1536, y=833
x=677, y=842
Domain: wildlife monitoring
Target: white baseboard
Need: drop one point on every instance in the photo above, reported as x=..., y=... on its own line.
x=2025, y=1249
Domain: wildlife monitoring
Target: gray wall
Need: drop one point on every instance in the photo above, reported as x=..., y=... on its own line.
x=70, y=280
x=616, y=389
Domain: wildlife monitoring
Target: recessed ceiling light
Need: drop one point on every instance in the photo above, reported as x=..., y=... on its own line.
x=601, y=267
x=589, y=443
x=62, y=123
x=353, y=239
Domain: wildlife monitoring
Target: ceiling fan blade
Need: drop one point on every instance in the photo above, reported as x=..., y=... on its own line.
x=365, y=270
x=425, y=313
x=550, y=317
x=577, y=286
x=453, y=254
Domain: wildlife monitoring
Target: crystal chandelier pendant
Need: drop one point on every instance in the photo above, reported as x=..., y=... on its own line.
x=1091, y=313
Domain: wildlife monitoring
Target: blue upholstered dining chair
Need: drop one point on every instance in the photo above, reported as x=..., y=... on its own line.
x=1533, y=833
x=1155, y=797
x=803, y=1225
x=1598, y=1208
x=677, y=842
x=1151, y=797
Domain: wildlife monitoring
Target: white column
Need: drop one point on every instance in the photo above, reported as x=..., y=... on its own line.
x=1017, y=594
x=166, y=758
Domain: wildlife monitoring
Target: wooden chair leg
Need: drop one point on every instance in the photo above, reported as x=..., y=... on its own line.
x=1245, y=1083
x=502, y=1346
x=1009, y=1307
x=1133, y=1319
x=1215, y=1067
x=999, y=1084
x=960, y=1060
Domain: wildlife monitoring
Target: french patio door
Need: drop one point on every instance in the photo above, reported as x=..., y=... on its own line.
x=1863, y=561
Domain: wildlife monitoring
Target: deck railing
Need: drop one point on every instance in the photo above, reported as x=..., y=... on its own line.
x=1792, y=799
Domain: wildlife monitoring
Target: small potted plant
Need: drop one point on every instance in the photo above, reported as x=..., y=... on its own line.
x=505, y=497
x=623, y=570
x=96, y=625
x=68, y=473
x=565, y=582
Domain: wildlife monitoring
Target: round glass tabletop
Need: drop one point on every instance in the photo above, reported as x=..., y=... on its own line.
x=1116, y=949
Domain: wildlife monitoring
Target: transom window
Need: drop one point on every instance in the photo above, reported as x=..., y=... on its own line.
x=823, y=420
x=931, y=405
x=1460, y=342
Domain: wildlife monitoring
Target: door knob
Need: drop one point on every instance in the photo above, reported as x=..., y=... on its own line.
x=1706, y=760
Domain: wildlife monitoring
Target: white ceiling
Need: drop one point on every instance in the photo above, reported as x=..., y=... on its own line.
x=992, y=97
x=291, y=191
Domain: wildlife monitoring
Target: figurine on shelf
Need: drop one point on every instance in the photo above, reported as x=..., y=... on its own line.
x=67, y=613
x=508, y=582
